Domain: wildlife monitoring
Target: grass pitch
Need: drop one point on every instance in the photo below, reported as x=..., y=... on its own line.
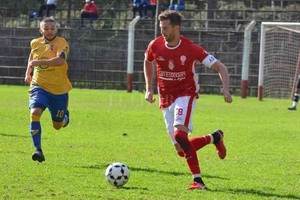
x=262, y=138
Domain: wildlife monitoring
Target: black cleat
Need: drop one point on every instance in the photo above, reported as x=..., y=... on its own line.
x=292, y=108
x=218, y=136
x=38, y=156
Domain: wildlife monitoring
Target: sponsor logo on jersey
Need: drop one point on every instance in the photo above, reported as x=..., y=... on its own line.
x=172, y=76
x=160, y=58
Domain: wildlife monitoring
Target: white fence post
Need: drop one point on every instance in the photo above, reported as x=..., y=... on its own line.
x=130, y=53
x=246, y=55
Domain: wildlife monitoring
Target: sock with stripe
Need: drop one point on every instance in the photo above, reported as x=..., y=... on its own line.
x=35, y=131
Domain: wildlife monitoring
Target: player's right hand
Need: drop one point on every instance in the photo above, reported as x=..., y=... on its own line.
x=27, y=79
x=149, y=96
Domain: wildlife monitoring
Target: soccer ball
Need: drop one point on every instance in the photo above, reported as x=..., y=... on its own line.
x=117, y=174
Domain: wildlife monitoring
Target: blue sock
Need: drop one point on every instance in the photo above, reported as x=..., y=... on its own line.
x=36, y=132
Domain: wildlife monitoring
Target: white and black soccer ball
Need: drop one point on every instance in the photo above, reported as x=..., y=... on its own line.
x=117, y=174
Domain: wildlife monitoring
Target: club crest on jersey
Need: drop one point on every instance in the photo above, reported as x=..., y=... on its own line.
x=52, y=47
x=171, y=64
x=182, y=59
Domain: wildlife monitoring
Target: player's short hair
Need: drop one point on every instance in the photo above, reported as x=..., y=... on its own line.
x=172, y=15
x=48, y=19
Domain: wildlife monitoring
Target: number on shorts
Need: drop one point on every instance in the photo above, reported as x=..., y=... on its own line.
x=60, y=113
x=179, y=111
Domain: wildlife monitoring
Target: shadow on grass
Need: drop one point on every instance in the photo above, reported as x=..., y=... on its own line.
x=131, y=188
x=258, y=193
x=14, y=135
x=149, y=170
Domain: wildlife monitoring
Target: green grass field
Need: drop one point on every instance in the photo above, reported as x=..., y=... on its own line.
x=262, y=138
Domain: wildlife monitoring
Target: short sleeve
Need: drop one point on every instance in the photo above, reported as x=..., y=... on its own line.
x=63, y=48
x=149, y=56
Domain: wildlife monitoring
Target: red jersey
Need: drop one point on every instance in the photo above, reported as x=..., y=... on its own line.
x=153, y=2
x=90, y=8
x=175, y=68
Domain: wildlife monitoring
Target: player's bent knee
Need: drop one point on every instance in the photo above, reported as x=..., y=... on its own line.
x=57, y=125
x=36, y=111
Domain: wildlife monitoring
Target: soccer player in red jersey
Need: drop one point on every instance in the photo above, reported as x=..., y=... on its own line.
x=175, y=57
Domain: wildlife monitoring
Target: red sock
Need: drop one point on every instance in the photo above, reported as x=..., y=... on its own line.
x=190, y=153
x=199, y=142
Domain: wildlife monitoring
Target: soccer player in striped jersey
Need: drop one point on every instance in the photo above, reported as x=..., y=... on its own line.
x=49, y=83
x=175, y=57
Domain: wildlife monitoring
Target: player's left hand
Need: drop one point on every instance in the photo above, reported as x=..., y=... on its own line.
x=149, y=96
x=27, y=79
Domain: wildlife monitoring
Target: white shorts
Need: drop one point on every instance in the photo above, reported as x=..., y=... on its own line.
x=179, y=113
